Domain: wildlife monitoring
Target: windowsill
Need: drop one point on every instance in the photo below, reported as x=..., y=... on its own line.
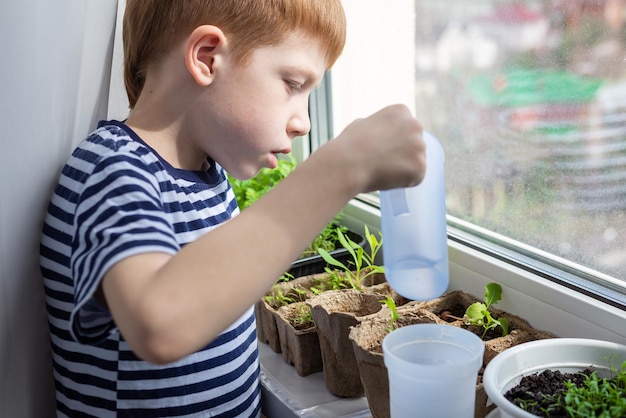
x=285, y=394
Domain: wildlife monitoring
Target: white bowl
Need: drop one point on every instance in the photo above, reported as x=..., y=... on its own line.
x=565, y=354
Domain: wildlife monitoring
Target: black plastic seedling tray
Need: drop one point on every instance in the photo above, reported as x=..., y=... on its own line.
x=316, y=264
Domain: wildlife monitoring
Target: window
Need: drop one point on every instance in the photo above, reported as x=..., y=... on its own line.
x=528, y=99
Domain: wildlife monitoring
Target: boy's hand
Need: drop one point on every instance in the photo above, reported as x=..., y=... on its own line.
x=383, y=151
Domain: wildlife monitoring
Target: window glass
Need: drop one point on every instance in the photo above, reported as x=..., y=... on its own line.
x=528, y=99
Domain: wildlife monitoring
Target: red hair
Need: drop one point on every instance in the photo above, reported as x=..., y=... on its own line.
x=153, y=27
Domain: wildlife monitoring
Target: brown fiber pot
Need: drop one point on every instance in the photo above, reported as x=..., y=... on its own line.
x=367, y=339
x=334, y=313
x=265, y=312
x=300, y=346
x=520, y=331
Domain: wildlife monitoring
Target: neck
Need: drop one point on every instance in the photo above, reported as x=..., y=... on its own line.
x=157, y=118
x=162, y=113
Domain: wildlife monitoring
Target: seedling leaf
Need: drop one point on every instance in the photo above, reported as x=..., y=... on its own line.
x=493, y=294
x=362, y=264
x=475, y=314
x=330, y=259
x=391, y=304
x=504, y=324
x=478, y=313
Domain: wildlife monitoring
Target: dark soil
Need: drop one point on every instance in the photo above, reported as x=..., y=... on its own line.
x=301, y=326
x=536, y=392
x=452, y=313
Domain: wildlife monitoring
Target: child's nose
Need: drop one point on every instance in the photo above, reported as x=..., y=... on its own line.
x=300, y=123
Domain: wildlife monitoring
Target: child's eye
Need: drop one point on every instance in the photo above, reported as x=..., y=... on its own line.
x=293, y=86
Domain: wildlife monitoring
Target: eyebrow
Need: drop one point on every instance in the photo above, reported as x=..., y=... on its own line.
x=310, y=76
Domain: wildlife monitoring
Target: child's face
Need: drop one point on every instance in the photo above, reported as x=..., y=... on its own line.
x=261, y=107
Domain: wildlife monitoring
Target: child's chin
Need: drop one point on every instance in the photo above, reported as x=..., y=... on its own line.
x=273, y=161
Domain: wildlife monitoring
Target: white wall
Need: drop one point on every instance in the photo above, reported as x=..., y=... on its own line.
x=55, y=60
x=374, y=69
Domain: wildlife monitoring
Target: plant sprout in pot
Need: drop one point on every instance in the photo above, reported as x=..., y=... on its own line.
x=585, y=377
x=336, y=311
x=478, y=315
x=361, y=269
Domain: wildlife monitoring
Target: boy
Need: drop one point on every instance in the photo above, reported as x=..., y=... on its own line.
x=150, y=304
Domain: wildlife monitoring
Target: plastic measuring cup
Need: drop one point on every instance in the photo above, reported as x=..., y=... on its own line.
x=432, y=370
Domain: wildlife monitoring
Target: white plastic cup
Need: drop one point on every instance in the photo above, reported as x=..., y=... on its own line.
x=433, y=370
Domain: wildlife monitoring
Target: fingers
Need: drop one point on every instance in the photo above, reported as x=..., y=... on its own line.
x=391, y=144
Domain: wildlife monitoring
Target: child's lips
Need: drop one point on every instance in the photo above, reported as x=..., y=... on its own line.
x=273, y=160
x=283, y=151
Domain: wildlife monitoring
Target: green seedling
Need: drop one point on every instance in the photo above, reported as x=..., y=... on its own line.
x=391, y=304
x=478, y=313
x=595, y=397
x=285, y=277
x=598, y=397
x=362, y=264
x=332, y=281
x=279, y=298
x=303, y=318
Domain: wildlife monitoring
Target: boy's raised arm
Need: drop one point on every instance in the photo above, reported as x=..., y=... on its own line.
x=169, y=306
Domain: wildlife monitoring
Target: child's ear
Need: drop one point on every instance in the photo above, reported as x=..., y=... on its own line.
x=203, y=51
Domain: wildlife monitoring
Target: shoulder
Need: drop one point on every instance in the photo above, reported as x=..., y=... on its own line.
x=111, y=148
x=112, y=139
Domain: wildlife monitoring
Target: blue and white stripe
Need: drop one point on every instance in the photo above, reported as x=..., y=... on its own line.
x=115, y=198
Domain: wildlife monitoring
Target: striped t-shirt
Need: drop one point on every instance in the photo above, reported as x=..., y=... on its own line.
x=115, y=198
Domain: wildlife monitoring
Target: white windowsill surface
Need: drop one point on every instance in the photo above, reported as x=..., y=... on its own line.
x=285, y=394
